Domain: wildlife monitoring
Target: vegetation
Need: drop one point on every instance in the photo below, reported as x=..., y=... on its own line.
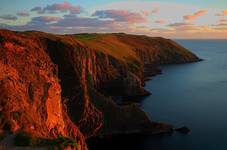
x=86, y=36
x=90, y=79
x=7, y=127
x=64, y=141
x=60, y=142
x=1, y=39
x=1, y=137
x=22, y=139
x=99, y=54
x=16, y=115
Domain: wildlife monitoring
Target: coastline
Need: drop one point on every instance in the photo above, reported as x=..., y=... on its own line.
x=76, y=78
x=156, y=128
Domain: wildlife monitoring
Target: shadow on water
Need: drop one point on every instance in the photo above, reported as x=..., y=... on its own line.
x=126, y=142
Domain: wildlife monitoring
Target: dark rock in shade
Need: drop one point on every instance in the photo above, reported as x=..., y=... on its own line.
x=183, y=130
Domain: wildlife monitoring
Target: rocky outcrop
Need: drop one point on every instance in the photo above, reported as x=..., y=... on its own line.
x=30, y=92
x=53, y=85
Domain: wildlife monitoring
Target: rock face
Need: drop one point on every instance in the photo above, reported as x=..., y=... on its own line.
x=53, y=85
x=30, y=98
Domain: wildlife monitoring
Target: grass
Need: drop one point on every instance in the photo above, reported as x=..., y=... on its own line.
x=86, y=36
x=23, y=139
x=107, y=44
x=60, y=142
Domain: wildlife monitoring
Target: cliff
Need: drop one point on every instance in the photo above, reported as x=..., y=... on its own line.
x=63, y=85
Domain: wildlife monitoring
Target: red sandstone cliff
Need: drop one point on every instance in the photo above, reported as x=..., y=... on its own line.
x=53, y=85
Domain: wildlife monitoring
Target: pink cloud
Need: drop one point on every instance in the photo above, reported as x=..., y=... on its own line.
x=222, y=24
x=120, y=16
x=223, y=13
x=50, y=18
x=146, y=12
x=223, y=20
x=195, y=15
x=179, y=24
x=62, y=7
x=56, y=28
x=155, y=11
x=149, y=12
x=183, y=27
x=44, y=19
x=160, y=21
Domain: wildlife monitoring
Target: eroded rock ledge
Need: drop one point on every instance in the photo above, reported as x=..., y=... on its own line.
x=53, y=85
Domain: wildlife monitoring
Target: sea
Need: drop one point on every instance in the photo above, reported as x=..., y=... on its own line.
x=192, y=95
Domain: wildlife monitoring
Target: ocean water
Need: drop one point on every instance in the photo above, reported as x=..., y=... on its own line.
x=192, y=94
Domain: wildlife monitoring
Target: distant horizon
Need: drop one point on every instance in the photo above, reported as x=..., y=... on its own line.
x=118, y=33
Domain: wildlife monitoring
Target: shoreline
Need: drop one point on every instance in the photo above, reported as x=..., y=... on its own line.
x=150, y=71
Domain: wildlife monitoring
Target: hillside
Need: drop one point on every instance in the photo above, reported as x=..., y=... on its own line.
x=62, y=85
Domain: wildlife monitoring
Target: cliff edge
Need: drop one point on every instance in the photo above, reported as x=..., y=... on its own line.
x=64, y=85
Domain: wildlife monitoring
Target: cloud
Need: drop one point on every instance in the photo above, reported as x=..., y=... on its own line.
x=37, y=23
x=145, y=12
x=75, y=21
x=223, y=13
x=120, y=16
x=149, y=12
x=63, y=7
x=131, y=17
x=187, y=29
x=223, y=20
x=44, y=19
x=8, y=17
x=58, y=7
x=180, y=24
x=162, y=31
x=222, y=24
x=67, y=24
x=221, y=29
x=195, y=15
x=23, y=14
x=155, y=11
x=161, y=21
x=38, y=9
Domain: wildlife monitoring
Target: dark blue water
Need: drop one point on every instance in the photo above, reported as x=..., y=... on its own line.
x=194, y=95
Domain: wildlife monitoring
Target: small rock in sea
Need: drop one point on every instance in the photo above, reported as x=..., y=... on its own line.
x=183, y=130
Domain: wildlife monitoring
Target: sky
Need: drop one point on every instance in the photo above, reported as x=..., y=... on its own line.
x=176, y=19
